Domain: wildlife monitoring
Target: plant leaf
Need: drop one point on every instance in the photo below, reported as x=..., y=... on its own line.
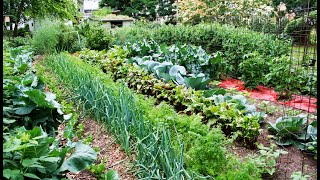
x=24, y=110
x=29, y=175
x=112, y=175
x=82, y=157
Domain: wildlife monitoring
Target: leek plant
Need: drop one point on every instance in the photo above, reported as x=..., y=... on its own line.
x=116, y=108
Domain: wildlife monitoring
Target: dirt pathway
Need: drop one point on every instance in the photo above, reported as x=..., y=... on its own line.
x=116, y=158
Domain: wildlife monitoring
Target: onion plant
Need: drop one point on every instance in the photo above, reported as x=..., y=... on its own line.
x=116, y=108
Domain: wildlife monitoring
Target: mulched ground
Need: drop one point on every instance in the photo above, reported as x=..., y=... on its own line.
x=108, y=149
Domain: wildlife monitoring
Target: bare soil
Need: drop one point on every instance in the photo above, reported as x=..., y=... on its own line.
x=108, y=149
x=295, y=160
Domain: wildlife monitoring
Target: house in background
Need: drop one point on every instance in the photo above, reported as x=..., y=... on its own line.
x=112, y=21
x=29, y=22
x=88, y=6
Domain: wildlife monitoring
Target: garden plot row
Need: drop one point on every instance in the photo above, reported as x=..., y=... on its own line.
x=31, y=117
x=232, y=112
x=257, y=58
x=166, y=144
x=165, y=81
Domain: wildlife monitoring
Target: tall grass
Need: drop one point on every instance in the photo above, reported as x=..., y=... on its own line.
x=116, y=108
x=45, y=37
x=52, y=35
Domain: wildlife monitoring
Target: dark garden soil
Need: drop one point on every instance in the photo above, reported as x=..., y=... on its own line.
x=108, y=149
x=288, y=163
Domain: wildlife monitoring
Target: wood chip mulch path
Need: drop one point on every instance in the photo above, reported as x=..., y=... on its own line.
x=108, y=149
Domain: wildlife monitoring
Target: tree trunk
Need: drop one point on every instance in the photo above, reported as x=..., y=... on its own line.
x=11, y=10
x=16, y=23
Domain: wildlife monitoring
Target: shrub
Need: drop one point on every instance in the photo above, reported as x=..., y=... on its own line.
x=233, y=42
x=254, y=69
x=69, y=39
x=45, y=37
x=53, y=35
x=264, y=25
x=24, y=31
x=95, y=35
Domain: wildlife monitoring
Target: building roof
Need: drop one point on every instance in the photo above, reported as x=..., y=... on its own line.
x=111, y=18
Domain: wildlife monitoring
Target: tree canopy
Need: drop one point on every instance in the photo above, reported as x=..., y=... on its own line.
x=22, y=10
x=296, y=5
x=149, y=9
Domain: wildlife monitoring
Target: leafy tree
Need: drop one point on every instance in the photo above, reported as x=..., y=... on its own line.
x=296, y=5
x=142, y=8
x=231, y=11
x=23, y=10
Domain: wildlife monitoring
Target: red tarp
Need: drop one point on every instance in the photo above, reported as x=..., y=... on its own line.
x=261, y=92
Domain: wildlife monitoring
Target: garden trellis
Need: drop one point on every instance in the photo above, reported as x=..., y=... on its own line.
x=299, y=26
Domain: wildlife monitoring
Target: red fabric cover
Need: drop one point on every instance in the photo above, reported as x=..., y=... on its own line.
x=265, y=93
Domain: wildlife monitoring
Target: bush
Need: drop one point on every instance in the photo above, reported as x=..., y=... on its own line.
x=254, y=69
x=45, y=37
x=52, y=35
x=69, y=39
x=263, y=25
x=95, y=35
x=20, y=41
x=24, y=31
x=233, y=42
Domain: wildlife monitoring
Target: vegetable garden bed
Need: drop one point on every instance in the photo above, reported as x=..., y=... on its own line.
x=161, y=101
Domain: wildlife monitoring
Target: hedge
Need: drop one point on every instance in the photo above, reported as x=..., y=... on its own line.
x=233, y=42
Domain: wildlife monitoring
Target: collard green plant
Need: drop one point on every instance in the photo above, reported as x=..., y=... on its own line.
x=236, y=114
x=24, y=96
x=33, y=154
x=193, y=58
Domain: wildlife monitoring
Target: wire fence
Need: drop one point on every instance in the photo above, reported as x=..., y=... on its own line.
x=299, y=26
